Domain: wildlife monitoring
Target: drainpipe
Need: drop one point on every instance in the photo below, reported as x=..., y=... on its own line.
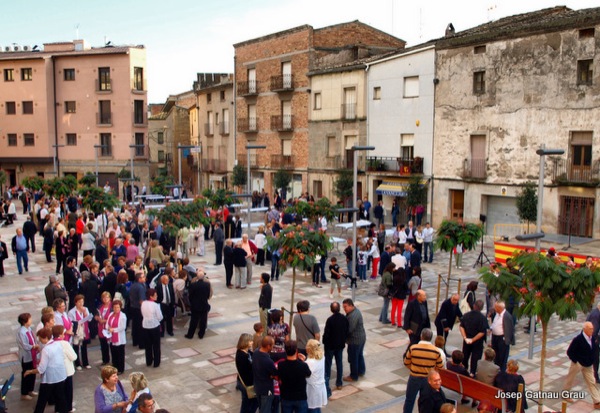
x=235, y=110
x=54, y=106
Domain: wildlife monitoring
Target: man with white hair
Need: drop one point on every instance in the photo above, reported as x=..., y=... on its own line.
x=503, y=334
x=594, y=318
x=580, y=352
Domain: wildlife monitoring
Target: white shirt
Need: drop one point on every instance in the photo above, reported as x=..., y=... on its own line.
x=151, y=314
x=260, y=240
x=497, y=326
x=399, y=260
x=428, y=234
x=324, y=224
x=52, y=364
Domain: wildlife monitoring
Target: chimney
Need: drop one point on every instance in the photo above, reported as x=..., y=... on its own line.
x=449, y=30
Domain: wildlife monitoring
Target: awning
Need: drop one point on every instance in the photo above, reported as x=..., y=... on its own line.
x=395, y=187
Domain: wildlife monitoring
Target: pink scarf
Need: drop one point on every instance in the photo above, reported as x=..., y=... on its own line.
x=113, y=322
x=86, y=330
x=32, y=343
x=67, y=324
x=104, y=313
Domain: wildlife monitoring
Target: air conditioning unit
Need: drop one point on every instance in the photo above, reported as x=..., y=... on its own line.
x=7, y=48
x=16, y=48
x=26, y=48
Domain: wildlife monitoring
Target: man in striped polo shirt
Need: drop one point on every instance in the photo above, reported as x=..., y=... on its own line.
x=420, y=359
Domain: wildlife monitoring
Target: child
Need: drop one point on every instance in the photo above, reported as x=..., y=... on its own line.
x=259, y=333
x=363, y=255
x=336, y=277
x=458, y=251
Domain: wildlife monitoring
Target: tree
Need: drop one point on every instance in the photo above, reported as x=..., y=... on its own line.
x=239, y=176
x=299, y=247
x=416, y=193
x=218, y=198
x=452, y=233
x=344, y=185
x=175, y=216
x=311, y=211
x=34, y=183
x=527, y=203
x=96, y=200
x=3, y=178
x=545, y=286
x=159, y=184
x=88, y=179
x=281, y=180
x=58, y=186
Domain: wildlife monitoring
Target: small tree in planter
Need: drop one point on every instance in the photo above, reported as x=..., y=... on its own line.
x=239, y=177
x=299, y=247
x=343, y=185
x=64, y=186
x=159, y=184
x=35, y=183
x=96, y=200
x=527, y=203
x=88, y=179
x=176, y=216
x=218, y=198
x=545, y=286
x=281, y=180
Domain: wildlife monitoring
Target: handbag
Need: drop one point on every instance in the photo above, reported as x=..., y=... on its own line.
x=383, y=291
x=249, y=389
x=464, y=304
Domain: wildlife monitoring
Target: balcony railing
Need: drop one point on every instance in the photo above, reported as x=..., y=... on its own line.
x=103, y=85
x=282, y=83
x=349, y=111
x=402, y=166
x=247, y=125
x=247, y=88
x=565, y=171
x=282, y=161
x=243, y=161
x=282, y=123
x=209, y=129
x=142, y=152
x=475, y=168
x=214, y=165
x=224, y=128
x=104, y=118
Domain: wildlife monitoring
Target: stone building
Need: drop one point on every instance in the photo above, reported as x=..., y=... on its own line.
x=273, y=94
x=70, y=108
x=504, y=89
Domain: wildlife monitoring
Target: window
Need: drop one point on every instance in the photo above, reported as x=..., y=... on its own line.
x=138, y=78
x=106, y=142
x=71, y=139
x=27, y=107
x=478, y=155
x=104, y=115
x=140, y=144
x=70, y=106
x=286, y=147
x=583, y=33
x=217, y=118
x=479, y=82
x=411, y=87
x=209, y=130
x=317, y=101
x=26, y=74
x=252, y=121
x=479, y=49
x=331, y=146
x=349, y=106
x=318, y=189
x=251, y=80
x=104, y=79
x=161, y=156
x=11, y=108
x=286, y=73
x=225, y=122
x=12, y=139
x=9, y=75
x=138, y=112
x=581, y=155
x=69, y=74
x=222, y=93
x=208, y=97
x=376, y=93
x=28, y=139
x=160, y=138
x=407, y=145
x=585, y=72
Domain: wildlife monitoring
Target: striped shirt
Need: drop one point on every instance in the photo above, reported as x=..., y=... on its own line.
x=423, y=357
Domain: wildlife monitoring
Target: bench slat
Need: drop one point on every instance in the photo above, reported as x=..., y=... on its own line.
x=472, y=388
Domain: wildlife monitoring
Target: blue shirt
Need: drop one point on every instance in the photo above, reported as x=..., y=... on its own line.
x=21, y=243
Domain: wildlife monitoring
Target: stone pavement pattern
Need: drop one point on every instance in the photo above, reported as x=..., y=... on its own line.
x=199, y=375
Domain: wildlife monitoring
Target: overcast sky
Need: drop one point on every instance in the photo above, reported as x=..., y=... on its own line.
x=183, y=37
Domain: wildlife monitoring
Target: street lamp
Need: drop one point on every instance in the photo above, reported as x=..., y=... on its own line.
x=133, y=148
x=179, y=149
x=96, y=147
x=356, y=149
x=248, y=182
x=55, y=158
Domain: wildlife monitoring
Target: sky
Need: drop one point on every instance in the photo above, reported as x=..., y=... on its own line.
x=184, y=37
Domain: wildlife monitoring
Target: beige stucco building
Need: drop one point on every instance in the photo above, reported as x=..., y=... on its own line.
x=70, y=107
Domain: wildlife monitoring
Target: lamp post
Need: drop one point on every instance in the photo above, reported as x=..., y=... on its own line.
x=55, y=158
x=133, y=148
x=356, y=149
x=96, y=147
x=249, y=182
x=179, y=149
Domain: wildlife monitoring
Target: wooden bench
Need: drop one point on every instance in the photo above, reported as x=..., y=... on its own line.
x=472, y=388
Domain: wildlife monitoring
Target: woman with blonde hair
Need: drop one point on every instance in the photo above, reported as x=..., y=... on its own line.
x=103, y=312
x=315, y=384
x=139, y=384
x=243, y=364
x=110, y=395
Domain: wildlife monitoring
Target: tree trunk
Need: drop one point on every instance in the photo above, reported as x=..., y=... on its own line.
x=293, y=290
x=542, y=361
x=449, y=272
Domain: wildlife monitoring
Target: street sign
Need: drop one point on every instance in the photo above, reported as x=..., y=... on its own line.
x=196, y=149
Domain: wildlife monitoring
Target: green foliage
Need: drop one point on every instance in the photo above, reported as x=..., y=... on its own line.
x=34, y=183
x=175, y=216
x=96, y=200
x=239, y=177
x=126, y=174
x=64, y=186
x=323, y=207
x=416, y=193
x=3, y=177
x=299, y=246
x=452, y=233
x=88, y=179
x=282, y=179
x=159, y=183
x=527, y=203
x=343, y=185
x=218, y=198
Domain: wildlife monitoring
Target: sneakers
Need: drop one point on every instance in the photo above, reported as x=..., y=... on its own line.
x=78, y=368
x=33, y=393
x=330, y=295
x=26, y=397
x=89, y=367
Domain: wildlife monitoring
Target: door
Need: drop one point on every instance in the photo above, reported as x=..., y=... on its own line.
x=286, y=111
x=251, y=80
x=286, y=71
x=349, y=109
x=457, y=204
x=576, y=216
x=478, y=167
x=252, y=117
x=501, y=210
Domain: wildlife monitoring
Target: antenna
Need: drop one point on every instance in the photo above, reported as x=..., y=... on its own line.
x=490, y=12
x=77, y=31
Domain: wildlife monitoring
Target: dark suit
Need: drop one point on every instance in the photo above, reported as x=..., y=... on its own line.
x=29, y=230
x=199, y=294
x=446, y=317
x=109, y=283
x=168, y=309
x=594, y=318
x=430, y=400
x=52, y=292
x=501, y=344
x=3, y=256
x=415, y=320
x=101, y=254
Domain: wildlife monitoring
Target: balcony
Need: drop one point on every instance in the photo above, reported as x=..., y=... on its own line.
x=243, y=160
x=209, y=129
x=349, y=111
x=282, y=161
x=283, y=123
x=224, y=128
x=401, y=166
x=564, y=171
x=247, y=125
x=104, y=119
x=247, y=88
x=282, y=83
x=104, y=85
x=214, y=165
x=474, y=169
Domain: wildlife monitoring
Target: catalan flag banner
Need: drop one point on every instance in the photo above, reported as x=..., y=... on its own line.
x=504, y=250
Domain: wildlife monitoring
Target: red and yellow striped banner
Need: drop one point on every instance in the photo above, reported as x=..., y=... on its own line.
x=504, y=250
